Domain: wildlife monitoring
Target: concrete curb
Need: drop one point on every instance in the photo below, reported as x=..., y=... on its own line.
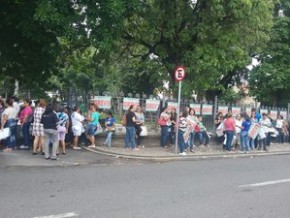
x=184, y=158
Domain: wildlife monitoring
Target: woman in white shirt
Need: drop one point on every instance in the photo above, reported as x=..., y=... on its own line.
x=77, y=126
x=9, y=120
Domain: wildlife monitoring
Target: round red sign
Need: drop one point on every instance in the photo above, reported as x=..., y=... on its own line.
x=179, y=73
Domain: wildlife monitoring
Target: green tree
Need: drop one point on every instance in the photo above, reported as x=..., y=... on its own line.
x=29, y=32
x=269, y=81
x=212, y=38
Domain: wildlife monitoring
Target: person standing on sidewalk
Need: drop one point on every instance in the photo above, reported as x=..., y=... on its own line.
x=25, y=122
x=93, y=119
x=9, y=120
x=130, y=128
x=62, y=127
x=245, y=140
x=49, y=120
x=182, y=128
x=37, y=129
x=193, y=121
x=230, y=129
x=140, y=118
x=164, y=122
x=77, y=126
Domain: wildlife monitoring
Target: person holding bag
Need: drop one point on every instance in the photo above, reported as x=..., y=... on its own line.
x=9, y=120
x=162, y=121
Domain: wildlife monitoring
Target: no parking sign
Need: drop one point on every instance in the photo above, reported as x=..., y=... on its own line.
x=179, y=73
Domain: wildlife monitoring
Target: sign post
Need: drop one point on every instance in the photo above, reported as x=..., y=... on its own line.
x=179, y=75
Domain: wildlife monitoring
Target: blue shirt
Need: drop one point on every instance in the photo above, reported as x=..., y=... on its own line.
x=110, y=121
x=246, y=125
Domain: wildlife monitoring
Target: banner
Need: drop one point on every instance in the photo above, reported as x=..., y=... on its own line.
x=127, y=102
x=223, y=109
x=206, y=109
x=103, y=102
x=172, y=104
x=152, y=105
x=262, y=111
x=196, y=107
x=284, y=114
x=254, y=130
x=236, y=110
x=274, y=114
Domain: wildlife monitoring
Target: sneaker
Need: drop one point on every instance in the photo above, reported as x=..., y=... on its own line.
x=182, y=153
x=191, y=150
x=54, y=158
x=77, y=148
x=22, y=147
x=92, y=146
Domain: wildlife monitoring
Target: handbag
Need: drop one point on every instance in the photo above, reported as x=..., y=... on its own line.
x=161, y=122
x=124, y=120
x=112, y=129
x=4, y=133
x=99, y=129
x=144, y=131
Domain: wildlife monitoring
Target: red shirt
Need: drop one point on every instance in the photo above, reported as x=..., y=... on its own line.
x=229, y=124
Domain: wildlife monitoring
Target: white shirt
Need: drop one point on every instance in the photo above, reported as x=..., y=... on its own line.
x=76, y=119
x=10, y=112
x=238, y=125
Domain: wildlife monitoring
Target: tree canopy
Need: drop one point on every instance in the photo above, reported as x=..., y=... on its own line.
x=269, y=81
x=131, y=45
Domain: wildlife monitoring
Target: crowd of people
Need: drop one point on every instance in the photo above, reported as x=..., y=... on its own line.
x=244, y=132
x=189, y=128
x=53, y=126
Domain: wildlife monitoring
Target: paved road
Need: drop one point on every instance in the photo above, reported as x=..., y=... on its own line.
x=248, y=187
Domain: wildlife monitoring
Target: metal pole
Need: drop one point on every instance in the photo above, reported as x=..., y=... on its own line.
x=177, y=118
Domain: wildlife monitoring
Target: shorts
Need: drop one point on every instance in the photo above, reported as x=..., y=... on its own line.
x=77, y=130
x=61, y=132
x=91, y=129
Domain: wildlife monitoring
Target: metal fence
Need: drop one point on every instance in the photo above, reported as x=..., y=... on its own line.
x=208, y=110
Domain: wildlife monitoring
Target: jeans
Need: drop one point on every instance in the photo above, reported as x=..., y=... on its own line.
x=10, y=142
x=230, y=137
x=130, y=137
x=191, y=140
x=50, y=135
x=91, y=129
x=109, y=139
x=245, y=146
x=164, y=135
x=281, y=136
x=138, y=132
x=203, y=135
x=181, y=143
x=172, y=135
x=26, y=135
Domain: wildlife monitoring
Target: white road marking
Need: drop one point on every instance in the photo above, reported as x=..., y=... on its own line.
x=63, y=215
x=265, y=183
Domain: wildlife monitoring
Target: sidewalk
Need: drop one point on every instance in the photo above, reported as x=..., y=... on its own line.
x=24, y=158
x=166, y=154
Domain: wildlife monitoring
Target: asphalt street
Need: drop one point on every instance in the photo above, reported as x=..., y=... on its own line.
x=225, y=188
